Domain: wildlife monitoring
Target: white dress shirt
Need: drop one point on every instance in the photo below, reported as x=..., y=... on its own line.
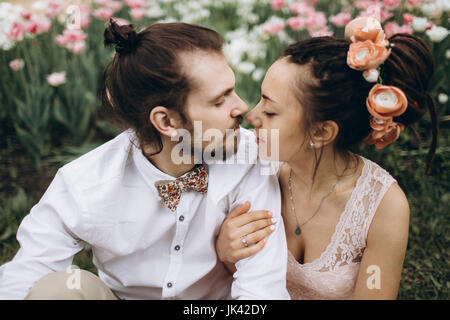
x=142, y=250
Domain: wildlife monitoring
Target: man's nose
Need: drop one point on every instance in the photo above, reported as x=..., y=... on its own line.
x=240, y=108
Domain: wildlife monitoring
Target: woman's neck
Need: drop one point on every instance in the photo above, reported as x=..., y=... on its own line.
x=332, y=166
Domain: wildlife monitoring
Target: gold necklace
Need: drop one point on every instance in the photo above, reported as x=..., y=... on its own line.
x=298, y=230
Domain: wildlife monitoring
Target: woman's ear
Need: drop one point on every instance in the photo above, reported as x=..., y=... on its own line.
x=163, y=121
x=324, y=133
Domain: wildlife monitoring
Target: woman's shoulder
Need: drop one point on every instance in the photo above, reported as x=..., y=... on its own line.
x=375, y=172
x=392, y=212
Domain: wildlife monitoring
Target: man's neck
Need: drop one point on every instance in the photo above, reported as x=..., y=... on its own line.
x=163, y=161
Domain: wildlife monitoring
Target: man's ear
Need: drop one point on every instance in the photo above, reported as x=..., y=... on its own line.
x=163, y=120
x=324, y=133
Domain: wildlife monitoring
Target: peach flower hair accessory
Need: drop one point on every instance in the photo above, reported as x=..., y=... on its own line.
x=366, y=55
x=367, y=52
x=384, y=103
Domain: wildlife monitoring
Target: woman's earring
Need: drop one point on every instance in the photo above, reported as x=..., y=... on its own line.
x=312, y=144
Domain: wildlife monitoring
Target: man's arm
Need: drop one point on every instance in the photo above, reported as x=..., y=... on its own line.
x=263, y=275
x=46, y=242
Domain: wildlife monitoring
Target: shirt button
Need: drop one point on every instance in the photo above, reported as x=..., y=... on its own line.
x=177, y=247
x=169, y=285
x=181, y=218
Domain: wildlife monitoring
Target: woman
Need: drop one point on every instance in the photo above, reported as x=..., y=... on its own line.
x=346, y=218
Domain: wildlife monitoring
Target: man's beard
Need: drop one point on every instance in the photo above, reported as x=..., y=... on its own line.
x=227, y=147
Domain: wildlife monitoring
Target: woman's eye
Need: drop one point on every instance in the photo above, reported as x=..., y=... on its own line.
x=268, y=114
x=219, y=104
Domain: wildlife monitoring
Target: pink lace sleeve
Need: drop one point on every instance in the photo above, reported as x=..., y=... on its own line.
x=379, y=184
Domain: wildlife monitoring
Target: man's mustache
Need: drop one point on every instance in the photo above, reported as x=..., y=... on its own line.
x=239, y=120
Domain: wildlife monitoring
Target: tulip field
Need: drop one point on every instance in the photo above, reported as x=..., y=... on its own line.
x=52, y=58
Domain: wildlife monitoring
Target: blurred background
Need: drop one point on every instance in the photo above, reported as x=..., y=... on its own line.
x=52, y=58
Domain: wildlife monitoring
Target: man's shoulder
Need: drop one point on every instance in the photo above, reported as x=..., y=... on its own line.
x=243, y=169
x=100, y=164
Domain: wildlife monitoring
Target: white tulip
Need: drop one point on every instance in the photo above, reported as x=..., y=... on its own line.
x=258, y=74
x=56, y=79
x=437, y=34
x=246, y=67
x=443, y=98
x=447, y=54
x=419, y=24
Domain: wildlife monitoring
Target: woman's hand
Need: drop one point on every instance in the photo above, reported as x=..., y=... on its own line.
x=255, y=226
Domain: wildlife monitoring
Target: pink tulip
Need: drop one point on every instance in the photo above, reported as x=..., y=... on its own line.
x=430, y=25
x=415, y=3
x=16, y=64
x=76, y=47
x=301, y=8
x=277, y=4
x=135, y=3
x=85, y=20
x=272, y=27
x=72, y=40
x=103, y=13
x=43, y=24
x=391, y=4
x=385, y=15
x=85, y=8
x=341, y=19
x=56, y=79
x=137, y=13
x=392, y=28
x=114, y=5
x=74, y=35
x=365, y=4
x=61, y=40
x=296, y=23
x=31, y=26
x=16, y=32
x=26, y=15
x=317, y=19
x=319, y=32
x=54, y=8
x=407, y=18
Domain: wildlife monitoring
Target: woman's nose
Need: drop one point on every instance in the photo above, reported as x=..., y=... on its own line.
x=253, y=117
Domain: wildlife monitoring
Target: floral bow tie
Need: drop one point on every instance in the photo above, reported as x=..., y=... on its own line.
x=170, y=190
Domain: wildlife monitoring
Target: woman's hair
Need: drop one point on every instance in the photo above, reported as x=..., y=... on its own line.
x=339, y=93
x=146, y=72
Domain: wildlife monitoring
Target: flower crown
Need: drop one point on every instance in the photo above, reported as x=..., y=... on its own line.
x=368, y=51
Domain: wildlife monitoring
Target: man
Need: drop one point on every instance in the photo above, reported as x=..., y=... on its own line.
x=151, y=219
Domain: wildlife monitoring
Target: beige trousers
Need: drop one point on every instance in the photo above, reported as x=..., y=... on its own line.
x=83, y=285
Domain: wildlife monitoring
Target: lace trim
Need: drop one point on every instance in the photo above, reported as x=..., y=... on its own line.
x=349, y=238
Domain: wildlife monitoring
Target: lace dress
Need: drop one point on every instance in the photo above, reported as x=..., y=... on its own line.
x=333, y=275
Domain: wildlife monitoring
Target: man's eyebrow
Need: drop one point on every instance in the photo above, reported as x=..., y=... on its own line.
x=223, y=93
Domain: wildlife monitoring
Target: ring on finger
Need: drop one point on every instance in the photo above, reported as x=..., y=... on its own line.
x=244, y=242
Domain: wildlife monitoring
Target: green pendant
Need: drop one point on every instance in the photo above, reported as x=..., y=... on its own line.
x=298, y=231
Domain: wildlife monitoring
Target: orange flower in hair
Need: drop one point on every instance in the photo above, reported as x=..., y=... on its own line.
x=385, y=102
x=365, y=28
x=366, y=55
x=385, y=137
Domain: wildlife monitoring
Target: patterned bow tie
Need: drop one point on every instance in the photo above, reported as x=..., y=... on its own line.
x=170, y=190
